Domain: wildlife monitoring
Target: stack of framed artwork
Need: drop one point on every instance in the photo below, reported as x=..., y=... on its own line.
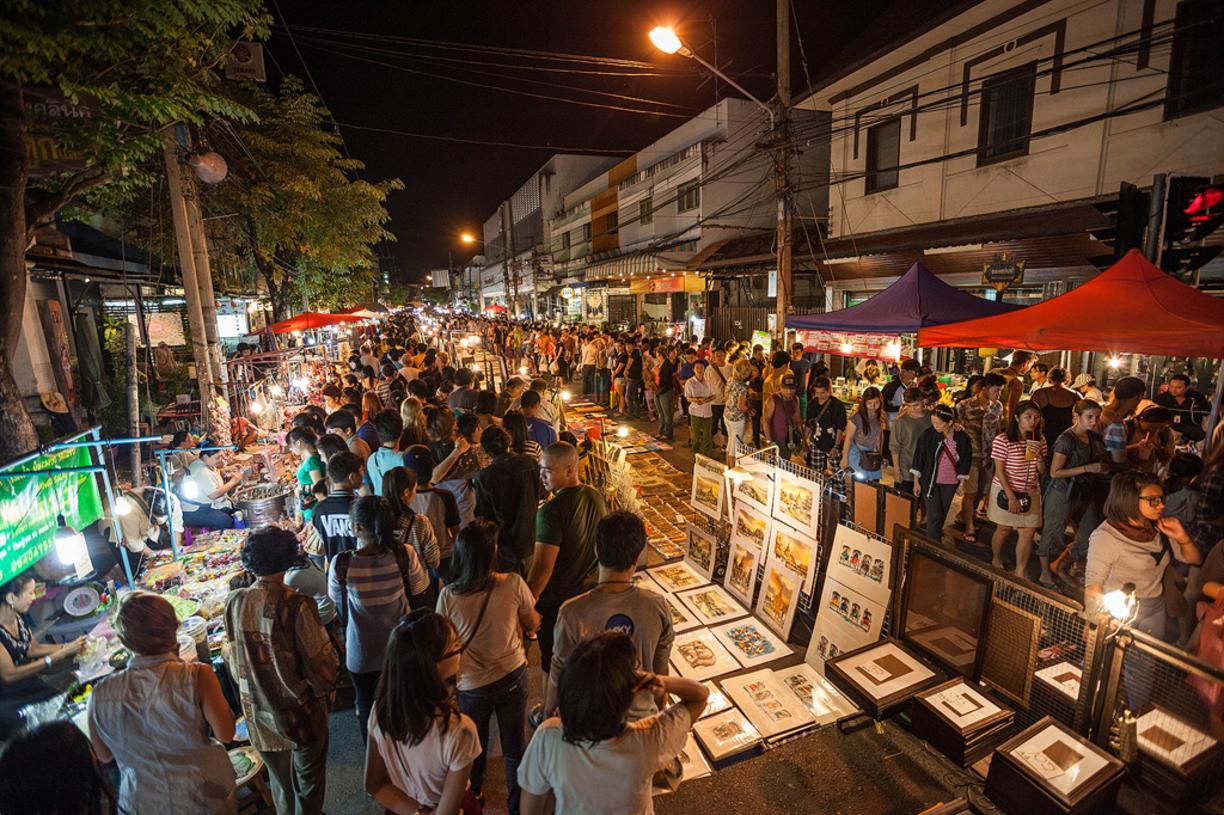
x=880, y=678
x=1177, y=760
x=960, y=721
x=943, y=611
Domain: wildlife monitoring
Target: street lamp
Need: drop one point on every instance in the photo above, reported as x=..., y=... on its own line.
x=666, y=40
x=467, y=237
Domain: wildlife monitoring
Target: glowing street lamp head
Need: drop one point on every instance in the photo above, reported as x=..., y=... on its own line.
x=467, y=237
x=665, y=39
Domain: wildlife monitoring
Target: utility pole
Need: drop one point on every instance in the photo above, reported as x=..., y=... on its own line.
x=208, y=297
x=782, y=167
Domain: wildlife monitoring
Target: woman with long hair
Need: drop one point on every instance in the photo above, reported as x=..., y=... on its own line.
x=421, y=747
x=1076, y=469
x=372, y=587
x=412, y=528
x=490, y=611
x=305, y=444
x=591, y=758
x=941, y=462
x=516, y=425
x=371, y=404
x=1015, y=493
x=412, y=412
x=863, y=447
x=736, y=413
x=486, y=411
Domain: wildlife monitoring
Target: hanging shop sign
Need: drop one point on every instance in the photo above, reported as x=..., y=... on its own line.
x=246, y=62
x=761, y=338
x=664, y=285
x=879, y=346
x=1003, y=271
x=29, y=508
x=49, y=112
x=567, y=293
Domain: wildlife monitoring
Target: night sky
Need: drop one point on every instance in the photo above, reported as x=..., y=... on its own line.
x=450, y=187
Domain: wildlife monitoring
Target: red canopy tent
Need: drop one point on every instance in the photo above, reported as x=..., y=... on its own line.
x=496, y=308
x=1131, y=307
x=311, y=319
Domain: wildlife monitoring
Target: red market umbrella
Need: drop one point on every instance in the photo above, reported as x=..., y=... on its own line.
x=311, y=319
x=496, y=308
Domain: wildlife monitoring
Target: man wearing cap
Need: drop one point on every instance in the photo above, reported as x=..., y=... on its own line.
x=780, y=416
x=1188, y=407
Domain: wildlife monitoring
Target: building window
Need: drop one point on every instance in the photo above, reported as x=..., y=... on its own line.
x=1007, y=115
x=688, y=196
x=1197, y=62
x=883, y=155
x=565, y=240
x=645, y=211
x=586, y=232
x=613, y=221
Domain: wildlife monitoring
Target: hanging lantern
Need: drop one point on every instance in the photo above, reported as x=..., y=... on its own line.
x=210, y=167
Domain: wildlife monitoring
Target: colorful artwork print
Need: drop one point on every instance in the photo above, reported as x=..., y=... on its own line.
x=712, y=604
x=797, y=503
x=682, y=619
x=676, y=576
x=779, y=597
x=750, y=642
x=707, y=494
x=726, y=734
x=861, y=562
x=699, y=655
x=850, y=611
x=750, y=527
x=757, y=490
x=767, y=703
x=815, y=693
x=701, y=551
x=793, y=551
x=825, y=648
x=741, y=572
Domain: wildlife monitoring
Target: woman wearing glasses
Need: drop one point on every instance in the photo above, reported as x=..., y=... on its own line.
x=1136, y=545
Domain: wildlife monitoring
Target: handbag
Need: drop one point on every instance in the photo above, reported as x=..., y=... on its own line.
x=1025, y=500
x=870, y=460
x=1174, y=595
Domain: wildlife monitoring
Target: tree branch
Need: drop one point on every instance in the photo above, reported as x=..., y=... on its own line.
x=43, y=205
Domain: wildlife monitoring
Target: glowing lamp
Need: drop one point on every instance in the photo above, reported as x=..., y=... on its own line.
x=665, y=39
x=69, y=544
x=123, y=506
x=1120, y=603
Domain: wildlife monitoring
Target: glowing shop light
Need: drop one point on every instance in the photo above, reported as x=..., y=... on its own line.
x=622, y=432
x=1114, y=362
x=566, y=396
x=738, y=475
x=190, y=489
x=276, y=390
x=845, y=348
x=69, y=544
x=123, y=506
x=1120, y=603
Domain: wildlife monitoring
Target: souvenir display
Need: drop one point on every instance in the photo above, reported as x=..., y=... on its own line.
x=709, y=487
x=701, y=551
x=796, y=552
x=699, y=655
x=716, y=702
x=1064, y=678
x=1170, y=740
x=825, y=702
x=666, y=550
x=862, y=563
x=880, y=678
x=1050, y=769
x=676, y=577
x=962, y=723
x=750, y=528
x=950, y=646
x=644, y=581
x=940, y=594
x=750, y=642
x=826, y=644
x=797, y=502
x=757, y=490
x=778, y=599
x=726, y=735
x=682, y=618
x=712, y=604
x=771, y=708
x=859, y=612
x=742, y=565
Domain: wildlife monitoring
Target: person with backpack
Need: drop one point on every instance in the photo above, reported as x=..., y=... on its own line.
x=372, y=588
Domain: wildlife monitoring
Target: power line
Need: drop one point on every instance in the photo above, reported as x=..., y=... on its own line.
x=306, y=68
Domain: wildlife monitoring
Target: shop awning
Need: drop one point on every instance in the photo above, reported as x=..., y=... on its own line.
x=496, y=308
x=1130, y=307
x=918, y=298
x=311, y=319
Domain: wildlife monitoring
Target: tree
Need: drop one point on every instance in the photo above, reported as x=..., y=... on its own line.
x=145, y=64
x=292, y=206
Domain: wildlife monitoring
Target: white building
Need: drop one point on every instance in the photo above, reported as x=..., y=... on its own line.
x=1010, y=127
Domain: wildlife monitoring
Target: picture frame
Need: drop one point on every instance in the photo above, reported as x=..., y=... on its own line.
x=727, y=734
x=700, y=550
x=1063, y=678
x=743, y=564
x=779, y=599
x=750, y=528
x=677, y=576
x=796, y=551
x=1173, y=742
x=709, y=488
x=766, y=702
x=1061, y=766
x=699, y=655
x=757, y=491
x=1009, y=659
x=796, y=502
x=962, y=707
x=939, y=593
x=683, y=619
x=881, y=677
x=751, y=642
x=712, y=604
x=825, y=702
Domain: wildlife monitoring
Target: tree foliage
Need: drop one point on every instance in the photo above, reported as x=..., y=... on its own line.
x=293, y=207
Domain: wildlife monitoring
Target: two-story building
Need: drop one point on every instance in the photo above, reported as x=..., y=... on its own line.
x=1010, y=126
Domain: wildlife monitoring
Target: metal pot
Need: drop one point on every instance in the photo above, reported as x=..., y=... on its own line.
x=263, y=504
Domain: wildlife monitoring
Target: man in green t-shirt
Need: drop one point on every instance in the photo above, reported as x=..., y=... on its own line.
x=564, y=564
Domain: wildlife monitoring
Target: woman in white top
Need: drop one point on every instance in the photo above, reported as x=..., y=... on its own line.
x=205, y=495
x=154, y=718
x=421, y=748
x=592, y=759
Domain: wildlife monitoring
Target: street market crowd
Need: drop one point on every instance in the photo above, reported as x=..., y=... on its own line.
x=447, y=530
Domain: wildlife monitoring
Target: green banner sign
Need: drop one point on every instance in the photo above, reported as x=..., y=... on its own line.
x=29, y=506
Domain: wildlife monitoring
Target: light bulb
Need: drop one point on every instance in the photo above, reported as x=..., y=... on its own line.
x=1115, y=363
x=276, y=390
x=566, y=396
x=1119, y=603
x=123, y=506
x=69, y=544
x=257, y=406
x=665, y=39
x=523, y=369
x=190, y=489
x=845, y=348
x=738, y=474
x=622, y=432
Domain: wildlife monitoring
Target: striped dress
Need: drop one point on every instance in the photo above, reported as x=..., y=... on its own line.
x=376, y=602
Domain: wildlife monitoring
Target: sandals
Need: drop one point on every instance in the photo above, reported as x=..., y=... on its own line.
x=969, y=537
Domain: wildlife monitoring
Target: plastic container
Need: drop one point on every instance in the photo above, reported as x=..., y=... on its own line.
x=187, y=648
x=197, y=629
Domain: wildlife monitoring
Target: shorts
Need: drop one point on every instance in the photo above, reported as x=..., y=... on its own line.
x=1029, y=520
x=979, y=477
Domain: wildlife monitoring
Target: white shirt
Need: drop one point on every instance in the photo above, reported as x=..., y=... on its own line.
x=695, y=388
x=420, y=770
x=715, y=379
x=207, y=482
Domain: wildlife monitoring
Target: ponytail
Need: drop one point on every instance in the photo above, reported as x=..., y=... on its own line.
x=377, y=521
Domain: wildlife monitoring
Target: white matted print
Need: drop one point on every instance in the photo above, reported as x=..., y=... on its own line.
x=851, y=608
x=961, y=705
x=861, y=562
x=700, y=551
x=750, y=527
x=757, y=490
x=796, y=551
x=693, y=763
x=750, y=642
x=1063, y=677
x=797, y=502
x=825, y=702
x=726, y=734
x=1169, y=740
x=644, y=581
x=712, y=604
x=832, y=637
x=676, y=577
x=884, y=670
x=779, y=598
x=742, y=565
x=699, y=655
x=682, y=618
x=767, y=703
x=1064, y=763
x=709, y=490
x=951, y=645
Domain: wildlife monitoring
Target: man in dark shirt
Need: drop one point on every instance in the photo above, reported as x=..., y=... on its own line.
x=1190, y=408
x=463, y=397
x=331, y=515
x=826, y=424
x=564, y=564
x=633, y=379
x=665, y=395
x=508, y=492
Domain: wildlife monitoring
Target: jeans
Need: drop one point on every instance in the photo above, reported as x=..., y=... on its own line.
x=298, y=778
x=633, y=397
x=701, y=438
x=588, y=379
x=363, y=687
x=719, y=410
x=208, y=518
x=938, y=502
x=666, y=403
x=507, y=697
x=1057, y=509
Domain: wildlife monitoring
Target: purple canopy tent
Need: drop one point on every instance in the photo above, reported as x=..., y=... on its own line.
x=917, y=299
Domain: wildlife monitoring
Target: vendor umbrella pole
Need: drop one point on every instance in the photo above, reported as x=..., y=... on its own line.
x=133, y=404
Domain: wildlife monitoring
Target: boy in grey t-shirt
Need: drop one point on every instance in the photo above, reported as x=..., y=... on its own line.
x=615, y=604
x=910, y=423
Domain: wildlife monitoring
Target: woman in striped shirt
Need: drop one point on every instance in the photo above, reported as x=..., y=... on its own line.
x=372, y=586
x=1015, y=495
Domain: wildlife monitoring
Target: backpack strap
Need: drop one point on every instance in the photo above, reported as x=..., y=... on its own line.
x=340, y=565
